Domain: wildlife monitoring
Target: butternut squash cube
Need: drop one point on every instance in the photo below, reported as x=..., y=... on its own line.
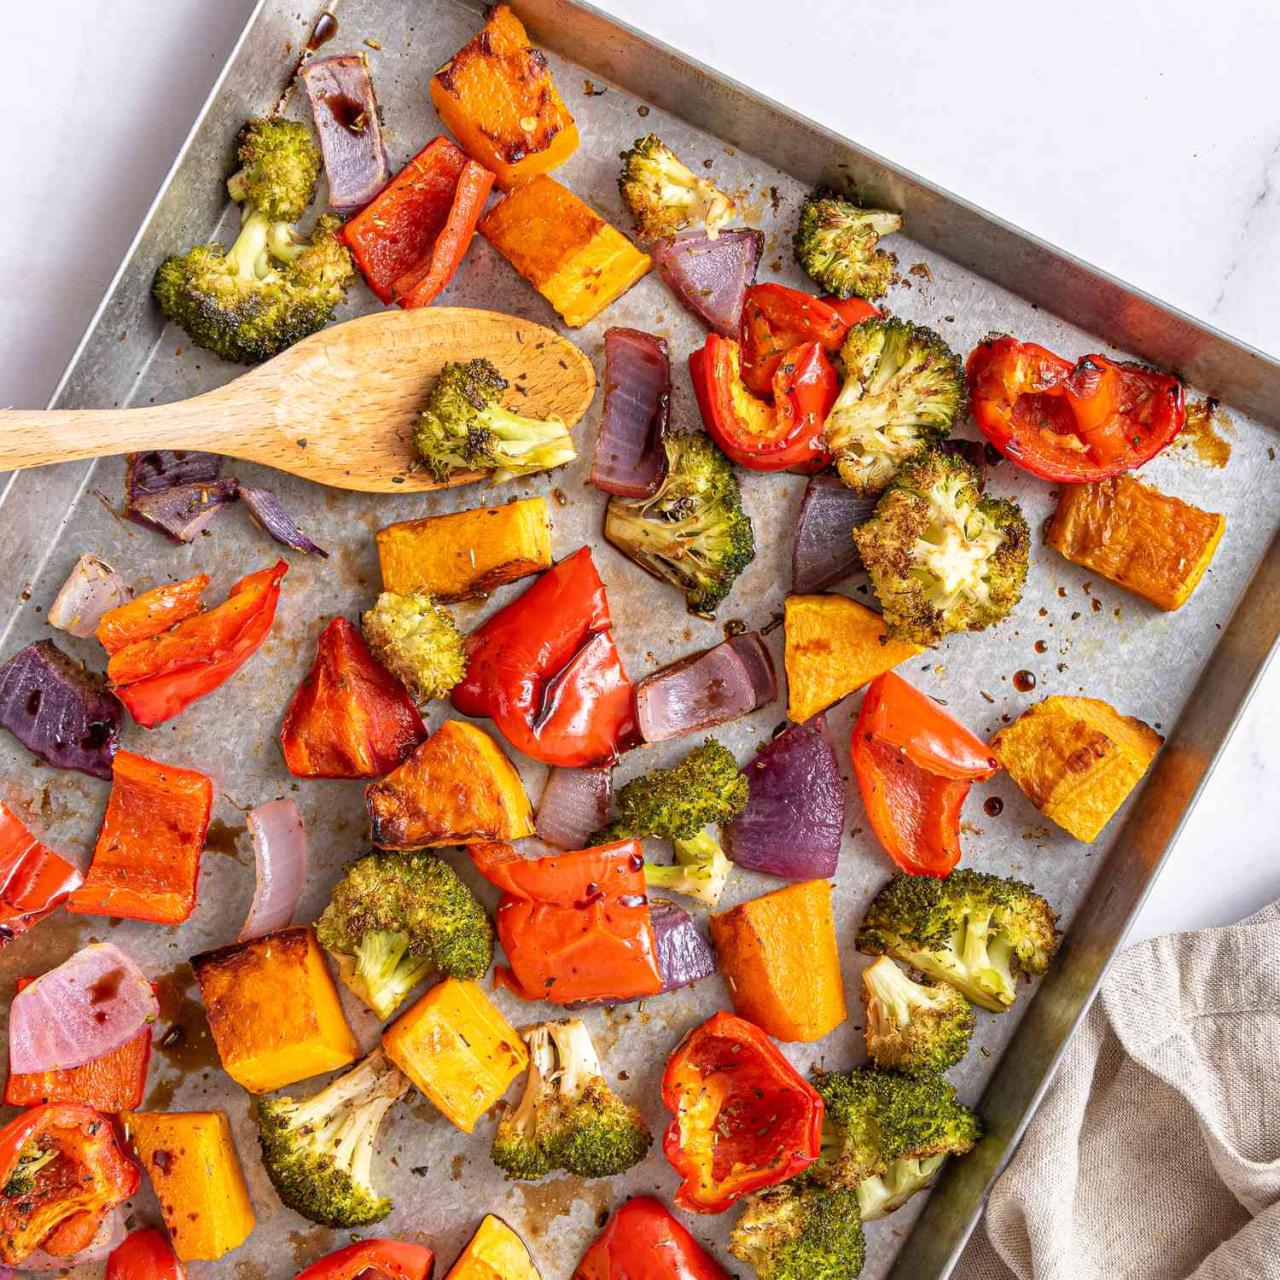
x=780, y=960
x=497, y=97
x=192, y=1162
x=1145, y=541
x=494, y=1253
x=562, y=247
x=458, y=787
x=834, y=645
x=456, y=1046
x=273, y=1009
x=1076, y=759
x=467, y=553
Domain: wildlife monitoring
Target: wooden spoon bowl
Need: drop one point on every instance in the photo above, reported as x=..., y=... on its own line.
x=337, y=408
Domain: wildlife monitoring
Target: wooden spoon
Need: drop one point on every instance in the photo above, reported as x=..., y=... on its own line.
x=337, y=408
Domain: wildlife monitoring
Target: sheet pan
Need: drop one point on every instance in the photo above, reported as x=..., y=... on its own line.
x=965, y=273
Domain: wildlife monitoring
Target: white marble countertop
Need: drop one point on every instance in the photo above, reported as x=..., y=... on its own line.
x=1129, y=132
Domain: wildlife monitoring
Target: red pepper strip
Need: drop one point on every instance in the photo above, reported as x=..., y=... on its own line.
x=373, y=1260
x=409, y=240
x=914, y=765
x=575, y=926
x=546, y=670
x=642, y=1241
x=157, y=677
x=150, y=613
x=33, y=879
x=1071, y=423
x=87, y=1177
x=744, y=1116
x=145, y=1255
x=113, y=1083
x=146, y=863
x=776, y=319
x=350, y=717
x=753, y=433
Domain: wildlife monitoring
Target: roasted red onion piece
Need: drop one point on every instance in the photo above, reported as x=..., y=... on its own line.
x=159, y=469
x=710, y=277
x=705, y=689
x=91, y=588
x=280, y=856
x=794, y=818
x=345, y=112
x=108, y=1237
x=574, y=805
x=824, y=551
x=59, y=710
x=269, y=515
x=87, y=1007
x=182, y=512
x=630, y=460
x=684, y=955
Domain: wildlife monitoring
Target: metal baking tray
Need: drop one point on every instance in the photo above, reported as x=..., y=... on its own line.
x=965, y=272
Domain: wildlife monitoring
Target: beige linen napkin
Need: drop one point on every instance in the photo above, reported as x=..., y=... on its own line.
x=1156, y=1153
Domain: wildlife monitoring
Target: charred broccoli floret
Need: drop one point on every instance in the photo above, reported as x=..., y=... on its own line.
x=975, y=931
x=940, y=556
x=465, y=428
x=417, y=641
x=903, y=387
x=835, y=243
x=884, y=1133
x=913, y=1028
x=22, y=1181
x=801, y=1231
x=706, y=789
x=395, y=917
x=319, y=1152
x=272, y=287
x=693, y=533
x=568, y=1118
x=664, y=195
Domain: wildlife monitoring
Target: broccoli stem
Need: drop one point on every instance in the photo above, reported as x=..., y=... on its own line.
x=699, y=871
x=387, y=969
x=528, y=444
x=248, y=256
x=893, y=995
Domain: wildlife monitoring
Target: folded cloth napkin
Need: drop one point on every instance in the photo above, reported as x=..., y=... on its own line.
x=1156, y=1152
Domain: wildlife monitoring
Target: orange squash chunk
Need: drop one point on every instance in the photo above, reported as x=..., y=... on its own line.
x=496, y=96
x=495, y=1252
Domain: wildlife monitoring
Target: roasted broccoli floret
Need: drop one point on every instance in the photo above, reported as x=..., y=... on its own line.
x=568, y=1118
x=883, y=1132
x=273, y=286
x=801, y=1231
x=395, y=917
x=319, y=1152
x=465, y=428
x=693, y=533
x=665, y=196
x=22, y=1181
x=977, y=932
x=903, y=387
x=911, y=1027
x=417, y=641
x=940, y=556
x=836, y=244
x=706, y=789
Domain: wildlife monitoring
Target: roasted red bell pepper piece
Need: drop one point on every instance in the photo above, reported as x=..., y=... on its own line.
x=1072, y=423
x=146, y=864
x=158, y=676
x=145, y=1255
x=642, y=1241
x=350, y=717
x=33, y=879
x=409, y=240
x=777, y=319
x=745, y=1118
x=914, y=765
x=575, y=926
x=546, y=670
x=150, y=613
x=62, y=1171
x=113, y=1083
x=753, y=433
x=373, y=1260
